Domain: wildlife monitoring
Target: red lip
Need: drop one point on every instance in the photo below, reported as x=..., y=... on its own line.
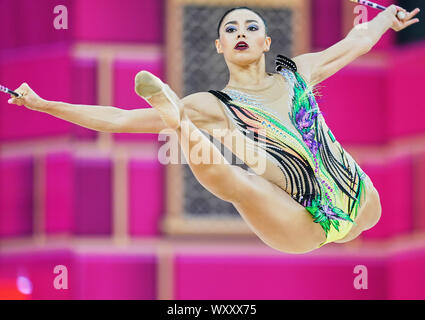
x=244, y=47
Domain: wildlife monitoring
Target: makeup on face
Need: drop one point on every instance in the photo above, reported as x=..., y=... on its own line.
x=230, y=28
x=254, y=26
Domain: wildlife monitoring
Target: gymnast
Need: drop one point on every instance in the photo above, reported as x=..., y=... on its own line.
x=312, y=191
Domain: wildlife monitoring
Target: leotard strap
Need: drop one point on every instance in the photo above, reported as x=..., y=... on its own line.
x=284, y=62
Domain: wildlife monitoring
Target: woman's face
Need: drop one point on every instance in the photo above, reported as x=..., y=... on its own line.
x=242, y=25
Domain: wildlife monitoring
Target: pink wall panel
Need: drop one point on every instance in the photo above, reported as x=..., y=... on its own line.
x=84, y=90
x=8, y=22
x=59, y=192
x=326, y=23
x=418, y=192
x=353, y=114
x=406, y=79
x=16, y=196
x=28, y=23
x=122, y=21
x=34, y=22
x=117, y=276
x=47, y=71
x=124, y=95
x=204, y=276
x=406, y=275
x=93, y=195
x=394, y=184
x=146, y=196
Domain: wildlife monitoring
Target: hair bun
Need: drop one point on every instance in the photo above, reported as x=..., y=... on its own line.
x=284, y=62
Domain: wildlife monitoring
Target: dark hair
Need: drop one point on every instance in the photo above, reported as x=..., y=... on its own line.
x=237, y=8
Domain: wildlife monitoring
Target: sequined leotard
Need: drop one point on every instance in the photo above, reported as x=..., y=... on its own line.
x=320, y=175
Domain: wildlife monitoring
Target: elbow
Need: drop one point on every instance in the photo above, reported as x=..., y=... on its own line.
x=361, y=38
x=360, y=41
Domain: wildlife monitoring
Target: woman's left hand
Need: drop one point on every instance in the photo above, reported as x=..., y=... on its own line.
x=398, y=24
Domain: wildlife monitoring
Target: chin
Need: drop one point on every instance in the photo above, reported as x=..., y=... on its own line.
x=244, y=58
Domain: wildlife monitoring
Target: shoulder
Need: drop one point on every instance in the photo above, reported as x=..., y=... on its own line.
x=198, y=99
x=203, y=105
x=204, y=102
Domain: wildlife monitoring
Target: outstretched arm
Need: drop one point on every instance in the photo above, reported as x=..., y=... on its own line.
x=99, y=118
x=116, y=120
x=316, y=67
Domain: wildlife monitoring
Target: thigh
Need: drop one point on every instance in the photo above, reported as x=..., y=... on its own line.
x=275, y=217
x=368, y=215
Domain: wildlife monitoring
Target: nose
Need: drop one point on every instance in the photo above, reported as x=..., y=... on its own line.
x=241, y=35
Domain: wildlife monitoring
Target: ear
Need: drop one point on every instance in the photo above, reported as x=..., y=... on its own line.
x=268, y=44
x=218, y=46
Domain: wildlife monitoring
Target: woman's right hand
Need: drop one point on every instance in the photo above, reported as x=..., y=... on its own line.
x=29, y=99
x=396, y=23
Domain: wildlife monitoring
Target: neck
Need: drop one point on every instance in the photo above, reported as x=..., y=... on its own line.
x=248, y=76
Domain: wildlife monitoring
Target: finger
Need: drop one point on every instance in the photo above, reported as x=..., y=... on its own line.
x=16, y=101
x=409, y=23
x=412, y=14
x=12, y=99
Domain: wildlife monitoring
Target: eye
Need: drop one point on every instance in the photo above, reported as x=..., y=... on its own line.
x=253, y=27
x=230, y=29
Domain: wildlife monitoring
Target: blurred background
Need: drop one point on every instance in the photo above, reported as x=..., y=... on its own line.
x=91, y=215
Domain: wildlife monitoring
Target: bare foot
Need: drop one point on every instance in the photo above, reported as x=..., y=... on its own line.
x=160, y=96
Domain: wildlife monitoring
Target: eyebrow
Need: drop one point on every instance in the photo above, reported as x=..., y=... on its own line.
x=235, y=22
